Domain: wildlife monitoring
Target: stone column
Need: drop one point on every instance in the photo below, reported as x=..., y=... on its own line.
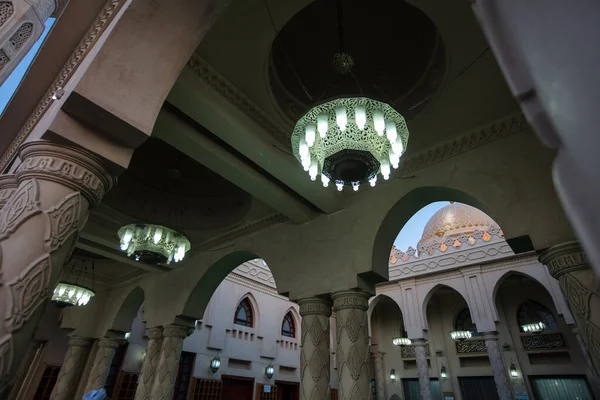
x=168, y=361
x=379, y=374
x=101, y=366
x=70, y=372
x=422, y=368
x=579, y=284
x=39, y=226
x=503, y=385
x=146, y=380
x=314, y=349
x=352, y=354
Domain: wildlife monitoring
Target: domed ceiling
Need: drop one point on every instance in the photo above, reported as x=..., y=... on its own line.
x=164, y=186
x=398, y=55
x=454, y=219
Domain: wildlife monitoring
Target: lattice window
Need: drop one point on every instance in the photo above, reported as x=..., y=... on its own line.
x=531, y=312
x=3, y=59
x=128, y=383
x=47, y=383
x=288, y=328
x=463, y=322
x=6, y=11
x=206, y=389
x=244, y=314
x=261, y=395
x=20, y=37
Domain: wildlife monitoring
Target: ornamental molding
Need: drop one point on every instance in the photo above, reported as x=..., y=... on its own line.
x=350, y=300
x=176, y=331
x=63, y=221
x=252, y=284
x=409, y=351
x=155, y=333
x=79, y=341
x=8, y=185
x=72, y=167
x=244, y=230
x=109, y=342
x=104, y=18
x=22, y=205
x=475, y=346
x=315, y=306
x=233, y=95
x=564, y=258
x=28, y=291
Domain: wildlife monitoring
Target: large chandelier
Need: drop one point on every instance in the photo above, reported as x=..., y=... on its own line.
x=401, y=341
x=68, y=294
x=349, y=141
x=153, y=244
x=461, y=335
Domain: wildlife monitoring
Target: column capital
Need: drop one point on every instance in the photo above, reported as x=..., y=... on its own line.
x=110, y=342
x=490, y=336
x=177, y=331
x=377, y=355
x=71, y=166
x=155, y=333
x=79, y=341
x=418, y=342
x=315, y=306
x=563, y=258
x=350, y=299
x=8, y=184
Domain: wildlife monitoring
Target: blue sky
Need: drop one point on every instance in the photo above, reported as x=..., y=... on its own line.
x=10, y=85
x=411, y=233
x=408, y=236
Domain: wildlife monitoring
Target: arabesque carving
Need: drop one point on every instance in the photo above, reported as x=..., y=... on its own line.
x=503, y=386
x=70, y=372
x=420, y=346
x=314, y=351
x=543, y=341
x=144, y=388
x=23, y=204
x=63, y=221
x=101, y=365
x=168, y=365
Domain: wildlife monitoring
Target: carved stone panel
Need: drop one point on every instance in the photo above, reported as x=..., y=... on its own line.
x=470, y=346
x=543, y=341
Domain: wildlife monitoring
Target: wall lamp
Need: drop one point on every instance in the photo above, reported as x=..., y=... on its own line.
x=393, y=374
x=443, y=372
x=269, y=371
x=215, y=364
x=513, y=371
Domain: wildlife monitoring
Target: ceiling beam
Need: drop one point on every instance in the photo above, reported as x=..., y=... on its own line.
x=189, y=140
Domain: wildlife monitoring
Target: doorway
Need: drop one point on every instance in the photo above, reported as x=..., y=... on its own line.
x=237, y=388
x=287, y=390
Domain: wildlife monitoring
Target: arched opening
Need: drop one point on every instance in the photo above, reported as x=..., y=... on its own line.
x=244, y=314
x=400, y=214
x=288, y=326
x=128, y=311
x=386, y=323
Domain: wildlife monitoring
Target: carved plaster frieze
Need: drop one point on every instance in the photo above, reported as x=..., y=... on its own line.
x=8, y=185
x=63, y=221
x=27, y=291
x=564, y=258
x=102, y=21
x=315, y=306
x=24, y=204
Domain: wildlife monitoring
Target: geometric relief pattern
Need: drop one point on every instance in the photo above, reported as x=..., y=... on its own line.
x=314, y=357
x=20, y=37
x=102, y=361
x=70, y=372
x=352, y=352
x=63, y=220
x=422, y=370
x=503, y=385
x=168, y=365
x=6, y=11
x=4, y=59
x=577, y=295
x=409, y=351
x=470, y=346
x=23, y=203
x=144, y=389
x=27, y=291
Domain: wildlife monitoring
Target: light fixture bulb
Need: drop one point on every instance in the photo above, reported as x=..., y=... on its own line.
x=393, y=375
x=339, y=185
x=322, y=125
x=341, y=118
x=324, y=180
x=378, y=122
x=397, y=147
x=385, y=169
x=513, y=371
x=394, y=159
x=360, y=117
x=306, y=162
x=303, y=148
x=313, y=171
x=390, y=131
x=310, y=134
x=355, y=186
x=157, y=235
x=373, y=181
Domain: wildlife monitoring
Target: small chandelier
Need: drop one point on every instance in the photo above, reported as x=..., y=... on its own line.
x=68, y=293
x=536, y=327
x=153, y=244
x=350, y=141
x=460, y=335
x=401, y=341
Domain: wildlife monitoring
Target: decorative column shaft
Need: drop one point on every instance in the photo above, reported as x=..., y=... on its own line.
x=352, y=352
x=39, y=226
x=70, y=372
x=579, y=284
x=379, y=375
x=101, y=367
x=314, y=349
x=146, y=381
x=168, y=362
x=503, y=385
x=422, y=368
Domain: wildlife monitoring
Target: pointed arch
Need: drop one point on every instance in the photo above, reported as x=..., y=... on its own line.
x=460, y=289
x=531, y=311
x=288, y=325
x=246, y=312
x=128, y=310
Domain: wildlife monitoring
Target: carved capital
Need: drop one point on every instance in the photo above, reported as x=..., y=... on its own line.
x=350, y=299
x=110, y=343
x=73, y=167
x=155, y=333
x=78, y=341
x=177, y=331
x=315, y=306
x=490, y=336
x=8, y=184
x=564, y=258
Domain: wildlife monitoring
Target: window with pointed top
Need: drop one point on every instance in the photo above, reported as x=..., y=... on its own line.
x=288, y=328
x=244, y=314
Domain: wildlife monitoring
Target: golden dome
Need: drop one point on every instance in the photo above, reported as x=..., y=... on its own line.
x=455, y=218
